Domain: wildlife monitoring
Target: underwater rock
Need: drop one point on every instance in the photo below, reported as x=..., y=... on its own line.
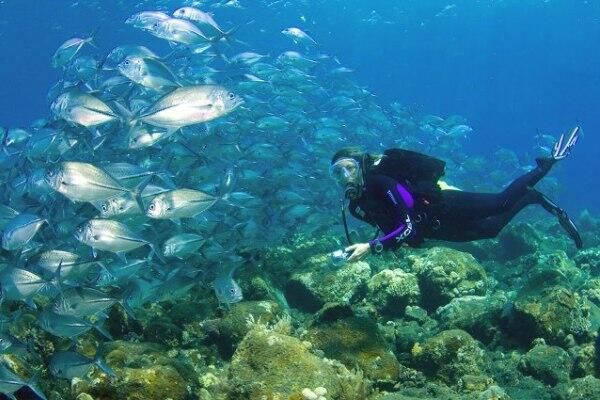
x=547, y=269
x=357, y=342
x=449, y=356
x=518, y=240
x=586, y=388
x=144, y=371
x=151, y=383
x=552, y=313
x=407, y=332
x=273, y=364
x=589, y=260
x=585, y=361
x=333, y=311
x=309, y=291
x=549, y=364
x=390, y=291
x=234, y=325
x=478, y=315
x=445, y=274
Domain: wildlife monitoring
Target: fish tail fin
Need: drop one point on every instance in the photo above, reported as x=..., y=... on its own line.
x=91, y=39
x=227, y=36
x=154, y=253
x=126, y=116
x=102, y=365
x=136, y=193
x=33, y=386
x=98, y=326
x=124, y=302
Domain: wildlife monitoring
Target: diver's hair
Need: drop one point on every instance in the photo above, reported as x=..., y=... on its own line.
x=365, y=160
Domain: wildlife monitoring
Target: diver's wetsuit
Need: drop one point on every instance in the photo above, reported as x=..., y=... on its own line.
x=459, y=216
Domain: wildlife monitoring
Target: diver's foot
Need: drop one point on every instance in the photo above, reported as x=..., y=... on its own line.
x=545, y=163
x=570, y=227
x=563, y=218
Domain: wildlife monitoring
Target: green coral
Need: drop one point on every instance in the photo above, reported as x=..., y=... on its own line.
x=234, y=325
x=549, y=364
x=445, y=274
x=449, y=356
x=478, y=315
x=390, y=291
x=269, y=364
x=552, y=313
x=310, y=290
x=357, y=342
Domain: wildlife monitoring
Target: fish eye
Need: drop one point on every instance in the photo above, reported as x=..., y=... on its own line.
x=151, y=208
x=232, y=290
x=231, y=96
x=104, y=208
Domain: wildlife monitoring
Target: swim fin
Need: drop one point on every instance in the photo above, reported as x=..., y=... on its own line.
x=563, y=218
x=562, y=148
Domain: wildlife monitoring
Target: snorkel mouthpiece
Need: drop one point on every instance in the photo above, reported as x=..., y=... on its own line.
x=350, y=191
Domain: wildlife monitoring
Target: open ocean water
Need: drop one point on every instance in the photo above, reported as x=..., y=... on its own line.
x=168, y=213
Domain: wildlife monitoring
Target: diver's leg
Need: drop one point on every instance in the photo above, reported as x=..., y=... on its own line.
x=489, y=227
x=518, y=188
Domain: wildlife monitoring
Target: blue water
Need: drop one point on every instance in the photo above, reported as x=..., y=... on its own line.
x=512, y=68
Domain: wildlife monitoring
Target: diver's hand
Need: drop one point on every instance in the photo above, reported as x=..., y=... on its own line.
x=358, y=251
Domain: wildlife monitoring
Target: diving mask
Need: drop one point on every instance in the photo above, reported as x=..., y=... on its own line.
x=347, y=174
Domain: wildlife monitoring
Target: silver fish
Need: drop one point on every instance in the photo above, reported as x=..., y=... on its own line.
x=69, y=365
x=180, y=203
x=226, y=288
x=83, y=182
x=20, y=284
x=179, y=31
x=182, y=245
x=20, y=230
x=204, y=20
x=71, y=265
x=82, y=109
x=120, y=53
x=148, y=72
x=82, y=302
x=146, y=20
x=191, y=105
x=109, y=235
x=10, y=383
x=69, y=49
x=66, y=326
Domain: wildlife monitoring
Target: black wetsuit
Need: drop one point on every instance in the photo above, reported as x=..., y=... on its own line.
x=455, y=215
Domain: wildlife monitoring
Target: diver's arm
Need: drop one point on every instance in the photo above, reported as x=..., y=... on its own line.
x=400, y=202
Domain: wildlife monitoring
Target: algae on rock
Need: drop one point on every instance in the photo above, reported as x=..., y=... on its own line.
x=445, y=274
x=390, y=291
x=449, y=356
x=276, y=365
x=357, y=342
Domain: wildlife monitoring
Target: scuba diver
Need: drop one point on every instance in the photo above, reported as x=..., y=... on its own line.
x=398, y=192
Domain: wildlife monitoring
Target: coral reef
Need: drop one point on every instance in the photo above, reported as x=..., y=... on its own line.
x=519, y=322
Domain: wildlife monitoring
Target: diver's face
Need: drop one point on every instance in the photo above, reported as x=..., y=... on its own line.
x=348, y=176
